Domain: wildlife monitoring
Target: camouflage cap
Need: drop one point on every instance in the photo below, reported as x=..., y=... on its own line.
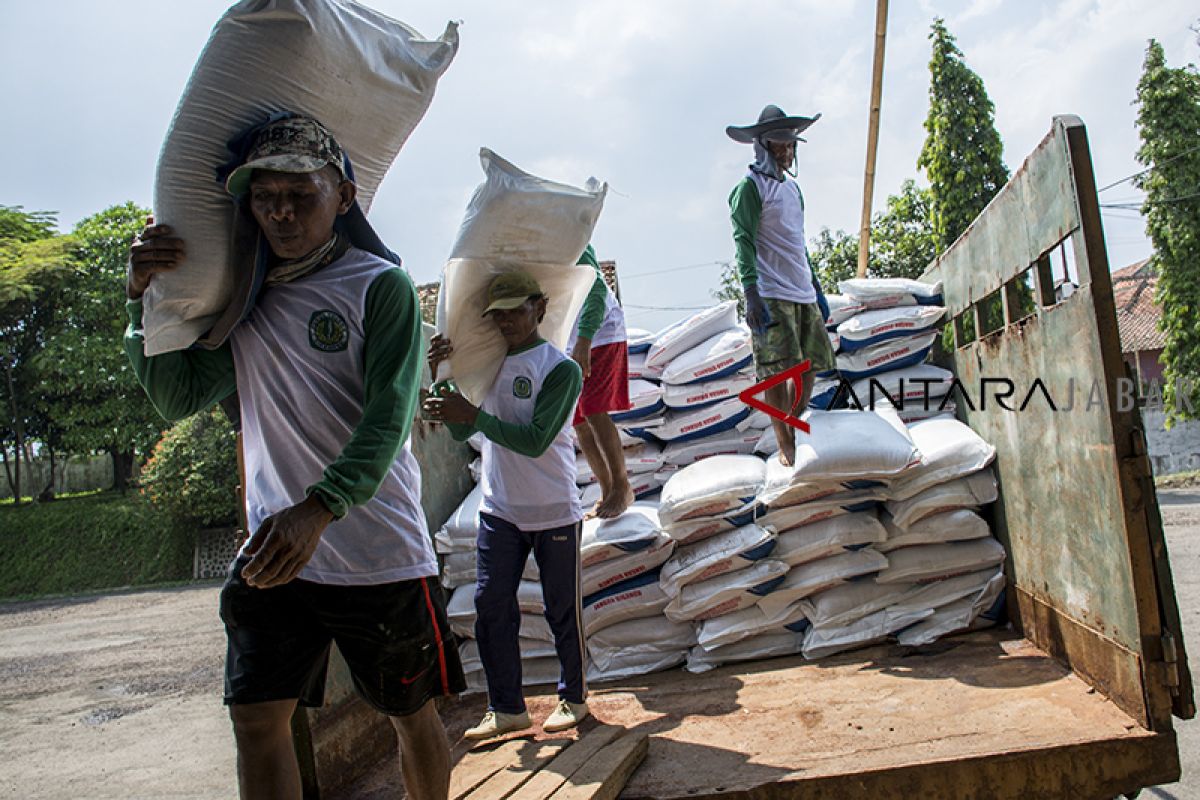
x=295, y=144
x=510, y=290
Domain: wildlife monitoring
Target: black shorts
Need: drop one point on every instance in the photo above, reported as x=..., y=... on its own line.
x=394, y=637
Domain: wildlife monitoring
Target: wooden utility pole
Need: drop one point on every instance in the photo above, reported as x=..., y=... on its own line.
x=864, y=232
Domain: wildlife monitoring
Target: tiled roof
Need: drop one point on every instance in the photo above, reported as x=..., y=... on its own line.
x=1137, y=313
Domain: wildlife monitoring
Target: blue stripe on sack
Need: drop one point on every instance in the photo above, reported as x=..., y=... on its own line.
x=997, y=611
x=636, y=582
x=759, y=551
x=744, y=516
x=799, y=626
x=732, y=368
x=824, y=399
x=766, y=587
x=850, y=345
x=935, y=300
x=634, y=349
x=644, y=434
x=865, y=505
x=720, y=427
x=908, y=361
x=638, y=413
x=639, y=544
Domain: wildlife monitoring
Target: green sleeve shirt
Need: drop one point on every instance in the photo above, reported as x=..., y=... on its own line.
x=745, y=210
x=591, y=317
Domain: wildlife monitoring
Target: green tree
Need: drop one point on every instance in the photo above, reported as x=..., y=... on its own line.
x=93, y=394
x=1168, y=100
x=34, y=264
x=902, y=241
x=833, y=256
x=731, y=288
x=962, y=155
x=193, y=474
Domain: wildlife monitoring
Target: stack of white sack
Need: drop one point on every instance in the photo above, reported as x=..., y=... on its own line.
x=881, y=327
x=944, y=572
x=684, y=383
x=535, y=635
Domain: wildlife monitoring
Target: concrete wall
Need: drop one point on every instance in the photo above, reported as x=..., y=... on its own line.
x=78, y=475
x=1174, y=450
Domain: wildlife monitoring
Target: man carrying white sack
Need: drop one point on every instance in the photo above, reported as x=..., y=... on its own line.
x=784, y=304
x=600, y=351
x=327, y=370
x=530, y=503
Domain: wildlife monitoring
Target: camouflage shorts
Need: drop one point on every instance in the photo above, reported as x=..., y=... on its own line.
x=797, y=331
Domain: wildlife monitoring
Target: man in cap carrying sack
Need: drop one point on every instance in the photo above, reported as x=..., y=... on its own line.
x=783, y=297
x=327, y=372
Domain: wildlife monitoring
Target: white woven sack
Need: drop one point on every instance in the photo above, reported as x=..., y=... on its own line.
x=608, y=573
x=909, y=386
x=643, y=484
x=953, y=617
x=604, y=539
x=459, y=533
x=848, y=445
x=959, y=525
x=698, y=529
x=623, y=665
x=913, y=414
x=460, y=609
x=366, y=77
x=781, y=488
x=674, y=341
x=932, y=561
x=643, y=394
x=639, y=458
x=869, y=291
x=865, y=631
x=638, y=340
x=881, y=324
x=936, y=594
x=807, y=579
x=713, y=486
x=716, y=555
x=848, y=602
x=715, y=355
x=468, y=652
x=534, y=672
x=729, y=628
x=949, y=449
x=975, y=490
x=514, y=221
x=698, y=394
x=734, y=442
x=890, y=354
x=459, y=568
x=766, y=645
x=724, y=594
x=698, y=422
x=830, y=537
x=841, y=308
x=630, y=600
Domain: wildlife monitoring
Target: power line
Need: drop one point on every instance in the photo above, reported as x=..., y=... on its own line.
x=1149, y=168
x=673, y=269
x=1137, y=206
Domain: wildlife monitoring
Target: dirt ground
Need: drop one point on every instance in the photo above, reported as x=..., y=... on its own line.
x=118, y=695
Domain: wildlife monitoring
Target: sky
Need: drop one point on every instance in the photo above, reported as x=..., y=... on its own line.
x=636, y=93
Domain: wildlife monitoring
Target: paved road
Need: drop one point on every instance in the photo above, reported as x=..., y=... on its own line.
x=1181, y=520
x=118, y=696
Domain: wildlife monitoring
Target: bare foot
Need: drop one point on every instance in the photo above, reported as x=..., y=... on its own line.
x=787, y=458
x=615, y=505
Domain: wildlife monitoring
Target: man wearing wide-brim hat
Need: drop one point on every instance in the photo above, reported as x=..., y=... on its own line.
x=783, y=297
x=326, y=371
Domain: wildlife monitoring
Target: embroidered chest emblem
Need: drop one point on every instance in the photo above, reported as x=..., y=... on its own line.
x=328, y=331
x=522, y=387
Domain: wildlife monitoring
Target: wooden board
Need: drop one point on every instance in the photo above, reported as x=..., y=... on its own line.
x=548, y=780
x=479, y=765
x=530, y=759
x=604, y=776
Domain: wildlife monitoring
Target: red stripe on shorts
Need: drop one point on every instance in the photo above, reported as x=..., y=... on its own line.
x=437, y=632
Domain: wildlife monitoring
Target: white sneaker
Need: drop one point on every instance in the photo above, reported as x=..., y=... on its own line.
x=496, y=723
x=567, y=715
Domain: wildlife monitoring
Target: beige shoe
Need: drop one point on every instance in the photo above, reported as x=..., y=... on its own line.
x=497, y=723
x=567, y=715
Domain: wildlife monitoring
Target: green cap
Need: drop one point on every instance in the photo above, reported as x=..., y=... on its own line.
x=510, y=290
x=293, y=144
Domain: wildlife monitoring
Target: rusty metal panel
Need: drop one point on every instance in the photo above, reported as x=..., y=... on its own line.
x=1073, y=510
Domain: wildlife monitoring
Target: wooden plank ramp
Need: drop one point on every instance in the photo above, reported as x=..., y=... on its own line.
x=595, y=766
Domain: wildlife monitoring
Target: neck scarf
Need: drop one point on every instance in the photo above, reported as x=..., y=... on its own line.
x=326, y=254
x=765, y=163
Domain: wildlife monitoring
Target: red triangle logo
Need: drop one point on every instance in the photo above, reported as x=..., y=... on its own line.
x=749, y=396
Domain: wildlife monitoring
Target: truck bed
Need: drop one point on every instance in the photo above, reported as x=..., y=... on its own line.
x=983, y=715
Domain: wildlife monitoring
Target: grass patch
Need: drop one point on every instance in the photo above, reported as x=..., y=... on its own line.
x=88, y=542
x=1179, y=480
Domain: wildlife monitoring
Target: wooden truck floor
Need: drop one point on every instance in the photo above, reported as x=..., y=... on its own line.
x=984, y=715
